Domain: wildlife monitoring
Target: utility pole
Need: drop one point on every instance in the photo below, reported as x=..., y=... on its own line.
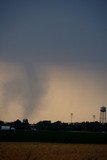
x=93, y=118
x=71, y=117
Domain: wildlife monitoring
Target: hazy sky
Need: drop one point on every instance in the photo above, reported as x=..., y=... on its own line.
x=53, y=59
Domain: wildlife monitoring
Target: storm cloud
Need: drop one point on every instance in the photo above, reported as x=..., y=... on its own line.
x=41, y=43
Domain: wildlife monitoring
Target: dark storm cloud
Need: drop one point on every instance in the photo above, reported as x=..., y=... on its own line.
x=39, y=33
x=57, y=31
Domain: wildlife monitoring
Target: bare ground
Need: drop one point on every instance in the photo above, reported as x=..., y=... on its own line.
x=51, y=151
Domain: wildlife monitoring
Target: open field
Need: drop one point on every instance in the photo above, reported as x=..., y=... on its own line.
x=53, y=136
x=51, y=151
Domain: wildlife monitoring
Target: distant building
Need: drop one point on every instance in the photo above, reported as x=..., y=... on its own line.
x=7, y=128
x=12, y=128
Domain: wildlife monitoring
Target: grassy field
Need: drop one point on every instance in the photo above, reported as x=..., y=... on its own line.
x=51, y=151
x=52, y=136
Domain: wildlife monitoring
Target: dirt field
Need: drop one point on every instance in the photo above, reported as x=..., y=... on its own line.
x=48, y=151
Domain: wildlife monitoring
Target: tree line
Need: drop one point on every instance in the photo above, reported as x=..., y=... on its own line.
x=56, y=126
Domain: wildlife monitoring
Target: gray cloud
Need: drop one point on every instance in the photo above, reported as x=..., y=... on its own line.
x=36, y=34
x=26, y=88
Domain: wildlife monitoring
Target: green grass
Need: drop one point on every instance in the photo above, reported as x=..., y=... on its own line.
x=53, y=136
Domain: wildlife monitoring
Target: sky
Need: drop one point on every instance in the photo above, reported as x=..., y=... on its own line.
x=53, y=59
